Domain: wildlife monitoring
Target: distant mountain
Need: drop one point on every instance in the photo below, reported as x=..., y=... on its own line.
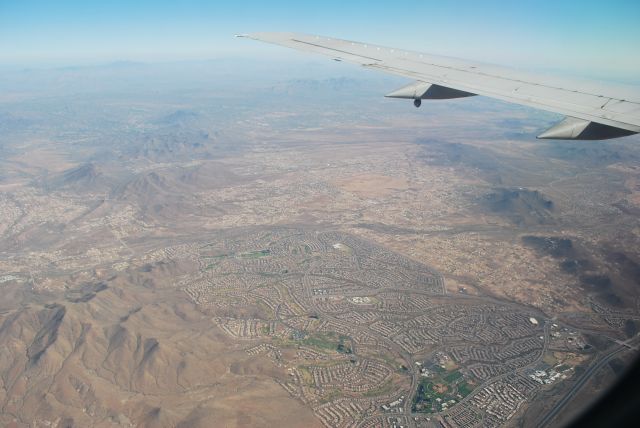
x=170, y=145
x=589, y=152
x=10, y=122
x=178, y=118
x=167, y=190
x=86, y=177
x=609, y=274
x=151, y=185
x=521, y=206
x=178, y=181
x=316, y=87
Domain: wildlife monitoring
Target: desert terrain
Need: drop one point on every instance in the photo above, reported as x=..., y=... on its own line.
x=201, y=244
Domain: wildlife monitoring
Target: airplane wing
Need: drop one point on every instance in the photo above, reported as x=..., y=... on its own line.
x=593, y=111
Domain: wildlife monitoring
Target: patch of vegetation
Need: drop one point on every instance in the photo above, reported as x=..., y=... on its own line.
x=215, y=260
x=255, y=254
x=453, y=376
x=427, y=398
x=329, y=341
x=437, y=369
x=341, y=348
x=331, y=396
x=441, y=389
x=465, y=389
x=385, y=389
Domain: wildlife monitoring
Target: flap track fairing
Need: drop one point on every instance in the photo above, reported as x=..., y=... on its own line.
x=572, y=128
x=427, y=91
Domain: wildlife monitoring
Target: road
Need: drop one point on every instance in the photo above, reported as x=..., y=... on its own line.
x=544, y=422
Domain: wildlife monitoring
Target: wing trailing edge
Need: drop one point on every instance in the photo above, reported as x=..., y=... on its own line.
x=593, y=111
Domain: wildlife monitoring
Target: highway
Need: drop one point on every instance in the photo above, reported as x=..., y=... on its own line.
x=544, y=422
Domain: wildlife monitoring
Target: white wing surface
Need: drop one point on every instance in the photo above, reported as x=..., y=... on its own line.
x=593, y=110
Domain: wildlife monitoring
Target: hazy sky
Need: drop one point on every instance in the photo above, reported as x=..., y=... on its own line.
x=589, y=37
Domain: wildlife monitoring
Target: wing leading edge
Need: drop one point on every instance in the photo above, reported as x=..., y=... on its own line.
x=592, y=110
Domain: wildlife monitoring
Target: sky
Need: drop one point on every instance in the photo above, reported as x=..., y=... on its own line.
x=598, y=38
